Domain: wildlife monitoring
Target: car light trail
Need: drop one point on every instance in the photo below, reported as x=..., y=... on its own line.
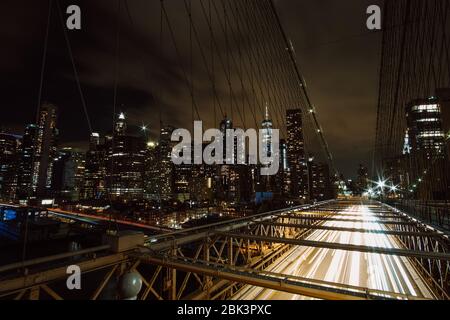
x=366, y=270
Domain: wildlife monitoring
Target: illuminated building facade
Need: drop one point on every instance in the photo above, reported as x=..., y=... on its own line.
x=428, y=158
x=203, y=183
x=268, y=182
x=44, y=150
x=296, y=154
x=267, y=133
x=125, y=164
x=362, y=180
x=320, y=186
x=94, y=186
x=182, y=181
x=283, y=177
x=25, y=170
x=425, y=131
x=166, y=166
x=68, y=174
x=151, y=172
x=9, y=156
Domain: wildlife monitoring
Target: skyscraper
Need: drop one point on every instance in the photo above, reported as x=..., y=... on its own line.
x=44, y=150
x=267, y=127
x=25, y=170
x=227, y=124
x=125, y=164
x=267, y=134
x=151, y=172
x=320, y=185
x=296, y=154
x=427, y=150
x=166, y=166
x=68, y=174
x=425, y=131
x=120, y=127
x=95, y=170
x=9, y=155
x=283, y=177
x=362, y=180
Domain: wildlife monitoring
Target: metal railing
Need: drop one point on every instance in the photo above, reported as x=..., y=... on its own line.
x=434, y=213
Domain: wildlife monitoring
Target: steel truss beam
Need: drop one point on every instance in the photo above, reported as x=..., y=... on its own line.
x=350, y=215
x=345, y=247
x=344, y=209
x=313, y=218
x=9, y=287
x=274, y=281
x=329, y=228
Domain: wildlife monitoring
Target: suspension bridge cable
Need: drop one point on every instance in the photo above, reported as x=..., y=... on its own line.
x=303, y=88
x=75, y=70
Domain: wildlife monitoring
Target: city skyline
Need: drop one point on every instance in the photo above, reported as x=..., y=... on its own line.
x=225, y=150
x=135, y=91
x=124, y=167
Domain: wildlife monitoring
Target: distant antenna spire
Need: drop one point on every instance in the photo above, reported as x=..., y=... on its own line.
x=267, y=111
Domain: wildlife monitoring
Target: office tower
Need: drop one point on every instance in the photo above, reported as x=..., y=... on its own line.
x=94, y=141
x=94, y=186
x=425, y=132
x=296, y=154
x=203, y=183
x=44, y=150
x=125, y=164
x=227, y=124
x=320, y=186
x=427, y=135
x=224, y=187
x=267, y=134
x=120, y=127
x=282, y=183
x=182, y=181
x=166, y=166
x=25, y=170
x=362, y=180
x=68, y=174
x=232, y=183
x=152, y=172
x=9, y=156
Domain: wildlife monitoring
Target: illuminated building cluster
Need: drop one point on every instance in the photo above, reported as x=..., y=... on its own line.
x=123, y=168
x=425, y=150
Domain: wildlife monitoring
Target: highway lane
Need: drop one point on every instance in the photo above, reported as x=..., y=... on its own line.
x=89, y=218
x=367, y=270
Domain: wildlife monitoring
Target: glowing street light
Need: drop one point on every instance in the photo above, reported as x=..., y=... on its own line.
x=394, y=189
x=381, y=184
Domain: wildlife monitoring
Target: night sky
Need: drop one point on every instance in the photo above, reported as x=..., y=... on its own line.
x=338, y=56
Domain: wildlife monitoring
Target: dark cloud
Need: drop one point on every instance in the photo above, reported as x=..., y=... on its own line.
x=338, y=57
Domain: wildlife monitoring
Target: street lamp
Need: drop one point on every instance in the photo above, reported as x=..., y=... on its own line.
x=381, y=184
